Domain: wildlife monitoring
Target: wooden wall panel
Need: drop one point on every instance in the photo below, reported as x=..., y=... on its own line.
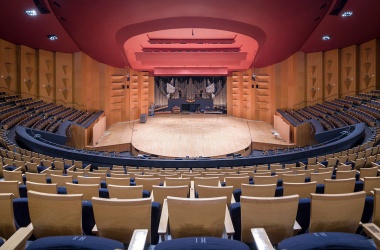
x=368, y=54
x=349, y=71
x=27, y=71
x=64, y=79
x=46, y=75
x=315, y=79
x=8, y=67
x=331, y=74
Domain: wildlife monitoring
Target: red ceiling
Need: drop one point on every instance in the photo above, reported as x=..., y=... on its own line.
x=115, y=32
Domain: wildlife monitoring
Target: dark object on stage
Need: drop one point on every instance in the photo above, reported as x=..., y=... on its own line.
x=143, y=118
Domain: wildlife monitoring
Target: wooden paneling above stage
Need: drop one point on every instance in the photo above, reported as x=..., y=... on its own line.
x=206, y=135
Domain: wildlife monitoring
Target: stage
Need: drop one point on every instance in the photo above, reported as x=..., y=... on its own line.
x=192, y=135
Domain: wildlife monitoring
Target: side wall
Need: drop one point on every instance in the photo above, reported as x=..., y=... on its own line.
x=78, y=81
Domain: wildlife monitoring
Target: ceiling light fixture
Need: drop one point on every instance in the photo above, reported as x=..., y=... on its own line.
x=31, y=12
x=326, y=38
x=52, y=37
x=347, y=13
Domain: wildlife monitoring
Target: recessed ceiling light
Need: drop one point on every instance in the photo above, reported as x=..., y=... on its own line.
x=52, y=37
x=31, y=12
x=326, y=38
x=347, y=13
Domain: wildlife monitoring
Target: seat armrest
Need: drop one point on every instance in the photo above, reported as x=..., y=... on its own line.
x=45, y=170
x=228, y=224
x=192, y=193
x=95, y=230
x=233, y=199
x=72, y=168
x=88, y=167
x=138, y=240
x=302, y=164
x=18, y=239
x=373, y=231
x=261, y=239
x=164, y=219
x=320, y=164
x=296, y=228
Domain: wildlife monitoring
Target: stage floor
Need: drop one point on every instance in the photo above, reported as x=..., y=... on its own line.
x=193, y=135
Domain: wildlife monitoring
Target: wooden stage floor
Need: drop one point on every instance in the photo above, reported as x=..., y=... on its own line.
x=194, y=135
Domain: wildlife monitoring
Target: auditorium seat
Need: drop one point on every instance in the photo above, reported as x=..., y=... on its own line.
x=33, y=177
x=206, y=181
x=13, y=176
x=346, y=174
x=371, y=183
x=304, y=189
x=262, y=212
x=258, y=190
x=41, y=187
x=53, y=216
x=7, y=221
x=195, y=217
x=215, y=191
x=118, y=218
x=294, y=178
x=125, y=192
x=61, y=180
x=333, y=221
x=339, y=186
x=87, y=190
x=262, y=180
x=160, y=193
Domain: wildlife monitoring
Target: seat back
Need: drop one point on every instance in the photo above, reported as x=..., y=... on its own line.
x=20, y=165
x=236, y=182
x=343, y=167
x=147, y=183
x=49, y=172
x=87, y=190
x=13, y=176
x=213, y=191
x=160, y=193
x=257, y=190
x=102, y=175
x=118, y=181
x=336, y=212
x=262, y=180
x=263, y=212
x=55, y=214
x=306, y=172
x=320, y=177
x=88, y=180
x=177, y=181
x=41, y=187
x=32, y=167
x=118, y=218
x=33, y=177
x=339, y=186
x=371, y=183
x=302, y=189
x=59, y=165
x=376, y=207
x=61, y=180
x=206, y=181
x=10, y=187
x=294, y=178
x=7, y=222
x=196, y=217
x=368, y=172
x=345, y=174
x=125, y=192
